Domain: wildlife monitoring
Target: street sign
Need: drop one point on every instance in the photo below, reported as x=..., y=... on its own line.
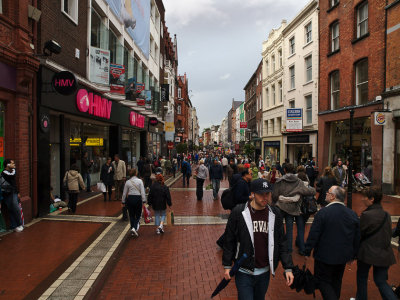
x=294, y=119
x=170, y=145
x=178, y=139
x=153, y=121
x=243, y=124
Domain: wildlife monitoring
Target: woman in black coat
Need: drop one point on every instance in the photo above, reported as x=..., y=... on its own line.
x=326, y=181
x=158, y=198
x=107, y=177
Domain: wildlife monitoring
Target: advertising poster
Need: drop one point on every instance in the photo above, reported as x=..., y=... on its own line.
x=164, y=92
x=169, y=127
x=135, y=16
x=117, y=79
x=294, y=119
x=147, y=96
x=99, y=65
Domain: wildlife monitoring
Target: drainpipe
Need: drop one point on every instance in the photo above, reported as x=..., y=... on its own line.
x=89, y=27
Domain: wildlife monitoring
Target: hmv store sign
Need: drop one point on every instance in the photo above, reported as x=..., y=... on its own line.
x=64, y=83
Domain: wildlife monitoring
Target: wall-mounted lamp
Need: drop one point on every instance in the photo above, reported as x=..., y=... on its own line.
x=51, y=47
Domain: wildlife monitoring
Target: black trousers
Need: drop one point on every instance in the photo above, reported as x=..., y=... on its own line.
x=329, y=279
x=134, y=205
x=72, y=200
x=199, y=188
x=109, y=191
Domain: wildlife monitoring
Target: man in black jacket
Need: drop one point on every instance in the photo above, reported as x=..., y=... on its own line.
x=240, y=188
x=256, y=228
x=216, y=175
x=335, y=237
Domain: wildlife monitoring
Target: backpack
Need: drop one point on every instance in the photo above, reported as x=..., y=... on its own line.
x=309, y=205
x=227, y=199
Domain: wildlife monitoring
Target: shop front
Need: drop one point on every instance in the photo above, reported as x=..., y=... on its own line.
x=300, y=147
x=272, y=151
x=78, y=123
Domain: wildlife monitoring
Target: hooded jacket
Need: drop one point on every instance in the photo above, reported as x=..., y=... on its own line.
x=239, y=239
x=10, y=178
x=159, y=196
x=290, y=185
x=74, y=180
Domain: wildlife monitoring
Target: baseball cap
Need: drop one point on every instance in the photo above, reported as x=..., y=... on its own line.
x=260, y=186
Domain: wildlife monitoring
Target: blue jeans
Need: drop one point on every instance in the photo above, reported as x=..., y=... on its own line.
x=215, y=185
x=86, y=179
x=187, y=176
x=289, y=219
x=159, y=216
x=11, y=201
x=380, y=277
x=250, y=287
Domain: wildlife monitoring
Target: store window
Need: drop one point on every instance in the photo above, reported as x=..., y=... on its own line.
x=308, y=33
x=308, y=101
x=308, y=63
x=362, y=82
x=335, y=90
x=362, y=19
x=271, y=152
x=2, y=144
x=130, y=148
x=335, y=36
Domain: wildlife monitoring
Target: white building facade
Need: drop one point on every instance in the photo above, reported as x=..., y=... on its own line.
x=300, y=84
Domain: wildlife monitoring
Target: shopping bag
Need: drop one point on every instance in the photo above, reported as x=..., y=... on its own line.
x=3, y=227
x=101, y=187
x=52, y=208
x=209, y=187
x=170, y=218
x=22, y=214
x=146, y=214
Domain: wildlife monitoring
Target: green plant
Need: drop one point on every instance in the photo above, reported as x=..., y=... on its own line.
x=181, y=148
x=249, y=150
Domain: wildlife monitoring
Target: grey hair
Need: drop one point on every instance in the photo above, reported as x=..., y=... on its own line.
x=340, y=193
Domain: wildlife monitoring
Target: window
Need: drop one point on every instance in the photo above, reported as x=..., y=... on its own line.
x=335, y=36
x=70, y=8
x=362, y=82
x=292, y=78
x=362, y=19
x=260, y=101
x=273, y=95
x=113, y=46
x=335, y=90
x=179, y=109
x=291, y=46
x=273, y=126
x=308, y=33
x=267, y=67
x=280, y=91
x=267, y=93
x=1, y=6
x=309, y=109
x=273, y=63
x=179, y=93
x=308, y=62
x=291, y=104
x=280, y=57
x=333, y=2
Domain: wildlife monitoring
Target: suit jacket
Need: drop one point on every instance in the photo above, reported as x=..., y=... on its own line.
x=334, y=235
x=120, y=170
x=339, y=178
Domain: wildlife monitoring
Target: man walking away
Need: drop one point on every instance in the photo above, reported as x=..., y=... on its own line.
x=186, y=171
x=256, y=229
x=335, y=237
x=216, y=175
x=224, y=162
x=86, y=165
x=119, y=176
x=201, y=176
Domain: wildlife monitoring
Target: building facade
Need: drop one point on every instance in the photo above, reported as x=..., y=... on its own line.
x=300, y=85
x=352, y=32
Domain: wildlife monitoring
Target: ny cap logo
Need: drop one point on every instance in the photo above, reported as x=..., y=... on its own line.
x=265, y=185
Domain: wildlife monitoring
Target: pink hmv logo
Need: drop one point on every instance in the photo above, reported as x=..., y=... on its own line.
x=93, y=104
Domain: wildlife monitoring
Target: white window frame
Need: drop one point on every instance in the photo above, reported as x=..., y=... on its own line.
x=280, y=91
x=292, y=103
x=179, y=93
x=335, y=41
x=267, y=66
x=308, y=100
x=362, y=22
x=73, y=6
x=335, y=92
x=308, y=68
x=334, y=2
x=308, y=32
x=359, y=85
x=292, y=46
x=273, y=95
x=280, y=57
x=292, y=74
x=267, y=93
x=179, y=109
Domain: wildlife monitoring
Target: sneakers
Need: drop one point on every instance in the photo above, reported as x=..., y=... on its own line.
x=134, y=232
x=19, y=228
x=161, y=229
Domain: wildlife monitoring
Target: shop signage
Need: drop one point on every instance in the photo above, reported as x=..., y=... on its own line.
x=169, y=127
x=274, y=144
x=139, y=87
x=294, y=139
x=92, y=142
x=178, y=139
x=153, y=121
x=170, y=145
x=99, y=65
x=243, y=124
x=380, y=118
x=164, y=92
x=136, y=119
x=294, y=119
x=93, y=104
x=1, y=146
x=45, y=123
x=64, y=83
x=117, y=79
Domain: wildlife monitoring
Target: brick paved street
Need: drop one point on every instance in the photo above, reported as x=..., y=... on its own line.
x=90, y=255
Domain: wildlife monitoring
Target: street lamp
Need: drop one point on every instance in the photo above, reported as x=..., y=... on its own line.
x=350, y=168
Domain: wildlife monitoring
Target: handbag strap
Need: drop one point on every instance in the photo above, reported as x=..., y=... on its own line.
x=376, y=230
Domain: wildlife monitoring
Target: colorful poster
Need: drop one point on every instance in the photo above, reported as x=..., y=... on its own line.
x=99, y=65
x=294, y=119
x=117, y=79
x=169, y=127
x=135, y=16
x=147, y=96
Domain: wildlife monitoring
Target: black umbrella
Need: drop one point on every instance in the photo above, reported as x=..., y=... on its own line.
x=303, y=280
x=232, y=273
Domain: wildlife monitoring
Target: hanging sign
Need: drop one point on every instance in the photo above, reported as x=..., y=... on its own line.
x=380, y=118
x=64, y=83
x=153, y=121
x=117, y=79
x=140, y=101
x=170, y=145
x=243, y=124
x=177, y=139
x=294, y=119
x=147, y=96
x=139, y=87
x=44, y=123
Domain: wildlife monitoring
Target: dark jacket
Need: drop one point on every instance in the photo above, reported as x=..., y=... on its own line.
x=107, y=177
x=146, y=170
x=334, y=235
x=396, y=232
x=241, y=191
x=86, y=164
x=376, y=249
x=290, y=185
x=10, y=178
x=159, y=196
x=216, y=172
x=239, y=239
x=186, y=168
x=323, y=186
x=140, y=166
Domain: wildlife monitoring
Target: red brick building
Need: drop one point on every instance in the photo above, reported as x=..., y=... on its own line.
x=18, y=118
x=352, y=68
x=182, y=109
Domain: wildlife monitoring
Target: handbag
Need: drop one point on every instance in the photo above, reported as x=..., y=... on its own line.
x=101, y=187
x=309, y=205
x=376, y=230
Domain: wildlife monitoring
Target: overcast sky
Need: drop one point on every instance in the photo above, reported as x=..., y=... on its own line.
x=220, y=44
